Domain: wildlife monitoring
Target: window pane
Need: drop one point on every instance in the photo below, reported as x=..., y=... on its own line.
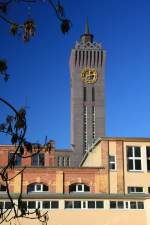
x=2, y=188
x=137, y=164
x=68, y=204
x=41, y=159
x=24, y=205
x=79, y=187
x=131, y=189
x=120, y=205
x=133, y=205
x=99, y=204
x=137, y=151
x=148, y=164
x=148, y=151
x=8, y=205
x=112, y=204
x=140, y=205
x=39, y=187
x=112, y=166
x=127, y=205
x=112, y=158
x=130, y=164
x=46, y=205
x=139, y=189
x=54, y=205
x=45, y=187
x=18, y=160
x=72, y=187
x=86, y=188
x=31, y=187
x=34, y=160
x=77, y=204
x=31, y=205
x=91, y=204
x=129, y=152
x=84, y=204
x=1, y=205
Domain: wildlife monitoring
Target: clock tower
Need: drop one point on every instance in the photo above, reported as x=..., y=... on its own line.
x=87, y=95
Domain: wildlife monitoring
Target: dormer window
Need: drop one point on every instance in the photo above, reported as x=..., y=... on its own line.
x=37, y=187
x=79, y=188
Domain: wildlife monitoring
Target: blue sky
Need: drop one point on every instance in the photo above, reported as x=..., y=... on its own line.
x=40, y=69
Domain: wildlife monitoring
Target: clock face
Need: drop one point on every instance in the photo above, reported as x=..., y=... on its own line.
x=89, y=75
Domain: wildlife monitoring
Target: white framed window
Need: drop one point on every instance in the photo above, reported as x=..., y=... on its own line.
x=45, y=204
x=135, y=190
x=136, y=205
x=148, y=157
x=134, y=162
x=116, y=204
x=87, y=204
x=79, y=188
x=112, y=162
x=36, y=187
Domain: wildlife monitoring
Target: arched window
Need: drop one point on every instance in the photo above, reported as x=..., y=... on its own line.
x=79, y=188
x=36, y=187
x=2, y=187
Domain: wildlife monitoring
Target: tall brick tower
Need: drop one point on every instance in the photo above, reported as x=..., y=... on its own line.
x=87, y=62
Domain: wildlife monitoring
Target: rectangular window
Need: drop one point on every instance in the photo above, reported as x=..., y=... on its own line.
x=140, y=205
x=134, y=158
x=58, y=161
x=77, y=204
x=133, y=205
x=54, y=204
x=112, y=162
x=68, y=161
x=93, y=94
x=136, y=205
x=116, y=205
x=8, y=205
x=37, y=159
x=68, y=204
x=91, y=204
x=46, y=204
x=148, y=157
x=113, y=205
x=32, y=205
x=84, y=94
x=99, y=204
x=135, y=190
x=17, y=159
x=1, y=205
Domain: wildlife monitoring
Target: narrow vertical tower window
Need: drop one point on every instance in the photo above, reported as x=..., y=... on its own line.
x=84, y=94
x=85, y=128
x=93, y=94
x=93, y=123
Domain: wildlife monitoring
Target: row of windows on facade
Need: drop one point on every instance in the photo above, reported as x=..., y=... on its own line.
x=39, y=160
x=85, y=94
x=39, y=187
x=84, y=204
x=80, y=188
x=90, y=58
x=134, y=159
